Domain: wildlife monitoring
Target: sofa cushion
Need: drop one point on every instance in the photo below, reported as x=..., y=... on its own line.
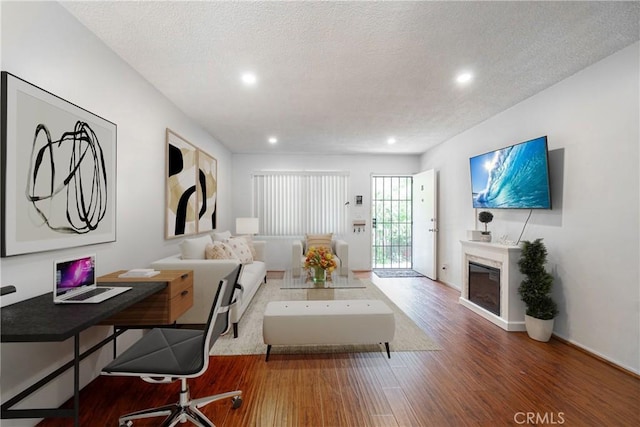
x=240, y=248
x=221, y=236
x=249, y=241
x=252, y=273
x=228, y=250
x=318, y=240
x=194, y=248
x=216, y=250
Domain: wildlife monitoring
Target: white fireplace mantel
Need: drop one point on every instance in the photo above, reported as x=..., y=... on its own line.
x=505, y=258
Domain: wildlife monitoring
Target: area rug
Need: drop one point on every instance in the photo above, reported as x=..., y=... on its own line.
x=395, y=272
x=408, y=336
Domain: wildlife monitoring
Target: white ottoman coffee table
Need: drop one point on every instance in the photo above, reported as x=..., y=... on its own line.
x=328, y=322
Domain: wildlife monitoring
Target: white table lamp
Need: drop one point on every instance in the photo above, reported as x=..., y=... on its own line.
x=247, y=226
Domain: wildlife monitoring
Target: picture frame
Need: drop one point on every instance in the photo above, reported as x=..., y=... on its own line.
x=207, y=192
x=58, y=171
x=181, y=190
x=191, y=188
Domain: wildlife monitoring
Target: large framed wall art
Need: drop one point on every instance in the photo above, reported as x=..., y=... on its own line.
x=191, y=188
x=58, y=172
x=207, y=191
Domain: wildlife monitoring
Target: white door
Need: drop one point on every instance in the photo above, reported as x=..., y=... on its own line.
x=425, y=224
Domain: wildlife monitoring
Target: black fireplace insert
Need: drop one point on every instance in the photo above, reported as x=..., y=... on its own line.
x=484, y=287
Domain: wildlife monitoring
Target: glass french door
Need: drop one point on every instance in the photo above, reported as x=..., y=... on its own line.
x=391, y=221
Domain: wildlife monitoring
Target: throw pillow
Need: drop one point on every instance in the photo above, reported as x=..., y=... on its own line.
x=249, y=241
x=240, y=248
x=318, y=240
x=194, y=248
x=221, y=236
x=216, y=251
x=229, y=251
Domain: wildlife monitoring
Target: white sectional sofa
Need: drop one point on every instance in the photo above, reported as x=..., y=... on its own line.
x=207, y=273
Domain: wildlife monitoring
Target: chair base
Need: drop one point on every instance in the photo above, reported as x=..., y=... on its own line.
x=185, y=410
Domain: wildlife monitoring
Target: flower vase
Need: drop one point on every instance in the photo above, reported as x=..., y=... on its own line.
x=319, y=275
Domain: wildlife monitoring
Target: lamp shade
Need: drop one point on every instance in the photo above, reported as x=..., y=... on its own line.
x=246, y=225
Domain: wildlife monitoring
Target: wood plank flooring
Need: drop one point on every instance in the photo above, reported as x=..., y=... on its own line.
x=484, y=376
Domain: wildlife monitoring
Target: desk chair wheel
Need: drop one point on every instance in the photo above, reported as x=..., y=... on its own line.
x=125, y=424
x=236, y=402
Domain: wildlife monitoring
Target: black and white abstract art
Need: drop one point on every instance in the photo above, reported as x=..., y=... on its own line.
x=192, y=188
x=182, y=197
x=207, y=191
x=58, y=172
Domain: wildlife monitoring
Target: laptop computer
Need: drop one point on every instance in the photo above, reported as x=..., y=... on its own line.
x=75, y=282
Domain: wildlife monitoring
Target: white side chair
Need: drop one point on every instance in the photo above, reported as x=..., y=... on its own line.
x=340, y=249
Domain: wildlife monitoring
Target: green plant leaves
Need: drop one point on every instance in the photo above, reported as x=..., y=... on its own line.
x=536, y=287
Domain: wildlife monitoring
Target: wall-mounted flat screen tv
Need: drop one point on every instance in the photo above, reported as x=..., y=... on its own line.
x=515, y=177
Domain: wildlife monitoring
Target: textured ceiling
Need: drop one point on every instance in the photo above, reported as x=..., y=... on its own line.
x=342, y=77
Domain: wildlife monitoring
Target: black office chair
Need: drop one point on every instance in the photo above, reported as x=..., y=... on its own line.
x=165, y=355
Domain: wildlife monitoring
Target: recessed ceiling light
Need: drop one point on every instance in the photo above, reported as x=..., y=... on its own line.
x=249, y=79
x=464, y=78
x=391, y=140
x=273, y=140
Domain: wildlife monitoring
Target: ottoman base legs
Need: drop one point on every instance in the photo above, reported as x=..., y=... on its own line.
x=386, y=346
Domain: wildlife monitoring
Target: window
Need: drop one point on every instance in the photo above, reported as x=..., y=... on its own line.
x=295, y=203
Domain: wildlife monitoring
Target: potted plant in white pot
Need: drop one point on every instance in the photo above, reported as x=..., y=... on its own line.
x=485, y=217
x=534, y=291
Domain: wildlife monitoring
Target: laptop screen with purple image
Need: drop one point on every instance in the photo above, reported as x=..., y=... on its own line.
x=71, y=274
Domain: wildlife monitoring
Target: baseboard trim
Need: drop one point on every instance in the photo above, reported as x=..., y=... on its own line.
x=596, y=356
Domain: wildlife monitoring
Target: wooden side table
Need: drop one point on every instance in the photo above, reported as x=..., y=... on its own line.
x=162, y=308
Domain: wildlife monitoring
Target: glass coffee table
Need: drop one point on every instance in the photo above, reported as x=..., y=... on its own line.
x=320, y=291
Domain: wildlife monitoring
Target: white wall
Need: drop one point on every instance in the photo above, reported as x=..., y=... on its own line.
x=592, y=234
x=360, y=168
x=43, y=44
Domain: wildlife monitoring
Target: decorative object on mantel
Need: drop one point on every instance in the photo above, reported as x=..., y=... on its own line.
x=58, y=169
x=320, y=262
x=534, y=291
x=192, y=188
x=485, y=217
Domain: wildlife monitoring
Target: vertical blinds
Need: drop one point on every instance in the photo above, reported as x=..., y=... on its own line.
x=295, y=203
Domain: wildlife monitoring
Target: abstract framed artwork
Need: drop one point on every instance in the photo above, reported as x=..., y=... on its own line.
x=207, y=191
x=192, y=188
x=181, y=187
x=58, y=172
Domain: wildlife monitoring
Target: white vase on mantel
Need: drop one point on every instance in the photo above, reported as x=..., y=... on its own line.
x=538, y=329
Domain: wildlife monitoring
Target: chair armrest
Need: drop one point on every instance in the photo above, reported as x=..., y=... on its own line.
x=296, y=258
x=342, y=252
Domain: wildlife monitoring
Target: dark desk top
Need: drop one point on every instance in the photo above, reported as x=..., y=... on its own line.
x=38, y=319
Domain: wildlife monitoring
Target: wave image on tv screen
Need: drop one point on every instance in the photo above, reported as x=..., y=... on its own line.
x=512, y=177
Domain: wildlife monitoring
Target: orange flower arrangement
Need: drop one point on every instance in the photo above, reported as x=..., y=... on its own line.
x=320, y=256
